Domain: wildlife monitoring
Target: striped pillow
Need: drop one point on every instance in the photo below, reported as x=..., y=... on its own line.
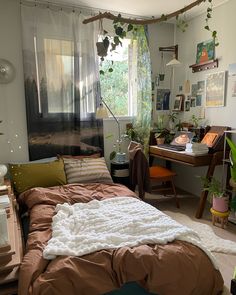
x=87, y=170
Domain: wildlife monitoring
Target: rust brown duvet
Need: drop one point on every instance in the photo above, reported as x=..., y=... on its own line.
x=175, y=268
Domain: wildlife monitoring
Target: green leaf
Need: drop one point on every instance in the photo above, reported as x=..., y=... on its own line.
x=217, y=44
x=207, y=28
x=105, y=32
x=208, y=15
x=106, y=42
x=101, y=72
x=112, y=155
x=110, y=70
x=116, y=40
x=119, y=31
x=130, y=27
x=214, y=33
x=232, y=147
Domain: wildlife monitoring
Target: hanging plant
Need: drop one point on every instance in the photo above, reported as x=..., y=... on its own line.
x=123, y=25
x=207, y=27
x=121, y=29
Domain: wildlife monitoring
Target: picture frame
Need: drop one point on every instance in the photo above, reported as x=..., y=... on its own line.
x=193, y=102
x=178, y=103
x=215, y=89
x=187, y=105
x=205, y=51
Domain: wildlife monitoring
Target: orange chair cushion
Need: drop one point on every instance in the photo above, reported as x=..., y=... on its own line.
x=160, y=172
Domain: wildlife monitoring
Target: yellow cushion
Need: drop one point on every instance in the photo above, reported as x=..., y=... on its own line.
x=26, y=176
x=159, y=172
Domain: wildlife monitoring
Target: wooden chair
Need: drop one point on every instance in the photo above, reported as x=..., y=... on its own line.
x=165, y=177
x=144, y=176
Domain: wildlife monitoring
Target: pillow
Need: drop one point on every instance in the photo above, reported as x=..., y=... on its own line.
x=97, y=155
x=26, y=176
x=87, y=170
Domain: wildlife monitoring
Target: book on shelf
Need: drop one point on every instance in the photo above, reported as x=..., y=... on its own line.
x=3, y=189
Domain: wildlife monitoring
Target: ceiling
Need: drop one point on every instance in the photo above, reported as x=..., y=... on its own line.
x=143, y=8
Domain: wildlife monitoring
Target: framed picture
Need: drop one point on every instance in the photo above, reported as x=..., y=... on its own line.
x=178, y=103
x=193, y=102
x=205, y=51
x=163, y=99
x=215, y=89
x=187, y=105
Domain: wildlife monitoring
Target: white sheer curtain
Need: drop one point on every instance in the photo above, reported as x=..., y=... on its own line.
x=61, y=73
x=60, y=51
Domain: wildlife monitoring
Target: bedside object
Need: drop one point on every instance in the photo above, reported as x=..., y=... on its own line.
x=11, y=256
x=120, y=172
x=219, y=217
x=3, y=172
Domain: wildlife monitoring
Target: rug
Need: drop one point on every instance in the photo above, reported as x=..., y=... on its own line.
x=210, y=240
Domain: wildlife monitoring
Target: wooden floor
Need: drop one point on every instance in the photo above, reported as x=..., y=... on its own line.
x=188, y=206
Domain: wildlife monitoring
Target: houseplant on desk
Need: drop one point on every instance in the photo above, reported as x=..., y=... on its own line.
x=218, y=196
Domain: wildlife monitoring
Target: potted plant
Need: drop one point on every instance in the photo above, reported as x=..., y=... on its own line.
x=218, y=196
x=232, y=157
x=161, y=135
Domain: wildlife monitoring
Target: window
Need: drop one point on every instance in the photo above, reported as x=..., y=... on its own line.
x=116, y=87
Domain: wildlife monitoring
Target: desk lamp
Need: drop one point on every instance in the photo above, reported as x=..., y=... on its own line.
x=101, y=113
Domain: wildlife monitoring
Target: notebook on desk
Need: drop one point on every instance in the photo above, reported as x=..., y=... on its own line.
x=179, y=141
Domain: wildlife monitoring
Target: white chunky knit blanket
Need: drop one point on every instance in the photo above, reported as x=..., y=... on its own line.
x=84, y=228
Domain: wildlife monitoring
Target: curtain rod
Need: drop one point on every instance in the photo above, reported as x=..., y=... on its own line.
x=76, y=7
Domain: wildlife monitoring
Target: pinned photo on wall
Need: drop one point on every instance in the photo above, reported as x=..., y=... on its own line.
x=193, y=102
x=198, y=100
x=178, y=103
x=200, y=87
x=215, y=89
x=194, y=90
x=187, y=105
x=163, y=99
x=232, y=79
x=205, y=51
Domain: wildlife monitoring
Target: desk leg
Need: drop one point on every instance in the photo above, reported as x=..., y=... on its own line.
x=216, y=159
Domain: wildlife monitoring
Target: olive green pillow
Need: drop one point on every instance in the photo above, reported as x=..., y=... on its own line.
x=26, y=176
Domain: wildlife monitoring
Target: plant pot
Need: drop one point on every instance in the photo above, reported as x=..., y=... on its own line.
x=160, y=140
x=101, y=49
x=220, y=204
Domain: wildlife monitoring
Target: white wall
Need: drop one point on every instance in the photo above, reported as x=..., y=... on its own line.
x=12, y=103
x=224, y=22
x=160, y=35
x=13, y=144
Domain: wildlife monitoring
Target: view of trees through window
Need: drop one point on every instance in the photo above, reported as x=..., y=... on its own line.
x=115, y=85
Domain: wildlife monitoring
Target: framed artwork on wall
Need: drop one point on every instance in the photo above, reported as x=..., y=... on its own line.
x=178, y=103
x=205, y=51
x=215, y=89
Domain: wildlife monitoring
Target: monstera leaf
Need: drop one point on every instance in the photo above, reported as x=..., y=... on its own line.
x=233, y=150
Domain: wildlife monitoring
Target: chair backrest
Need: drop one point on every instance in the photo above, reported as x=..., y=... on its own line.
x=139, y=170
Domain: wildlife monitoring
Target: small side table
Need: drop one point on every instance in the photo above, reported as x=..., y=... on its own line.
x=120, y=172
x=220, y=217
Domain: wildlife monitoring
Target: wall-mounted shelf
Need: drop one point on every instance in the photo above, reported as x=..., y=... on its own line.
x=211, y=64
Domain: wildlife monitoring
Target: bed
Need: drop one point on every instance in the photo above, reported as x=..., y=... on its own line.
x=176, y=267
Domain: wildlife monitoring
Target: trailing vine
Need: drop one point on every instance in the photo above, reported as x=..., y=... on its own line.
x=207, y=27
x=123, y=25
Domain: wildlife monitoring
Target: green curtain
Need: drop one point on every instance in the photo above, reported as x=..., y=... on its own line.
x=141, y=86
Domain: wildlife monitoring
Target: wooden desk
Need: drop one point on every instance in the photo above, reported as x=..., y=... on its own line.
x=210, y=160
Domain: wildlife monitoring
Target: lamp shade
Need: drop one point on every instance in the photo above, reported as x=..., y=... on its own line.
x=101, y=112
x=174, y=62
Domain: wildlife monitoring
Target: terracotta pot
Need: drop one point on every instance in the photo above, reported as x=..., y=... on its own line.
x=220, y=204
x=160, y=140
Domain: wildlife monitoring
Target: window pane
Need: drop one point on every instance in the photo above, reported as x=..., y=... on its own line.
x=59, y=60
x=115, y=85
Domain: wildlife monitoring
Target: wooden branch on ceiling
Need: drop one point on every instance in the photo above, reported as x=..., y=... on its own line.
x=111, y=16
